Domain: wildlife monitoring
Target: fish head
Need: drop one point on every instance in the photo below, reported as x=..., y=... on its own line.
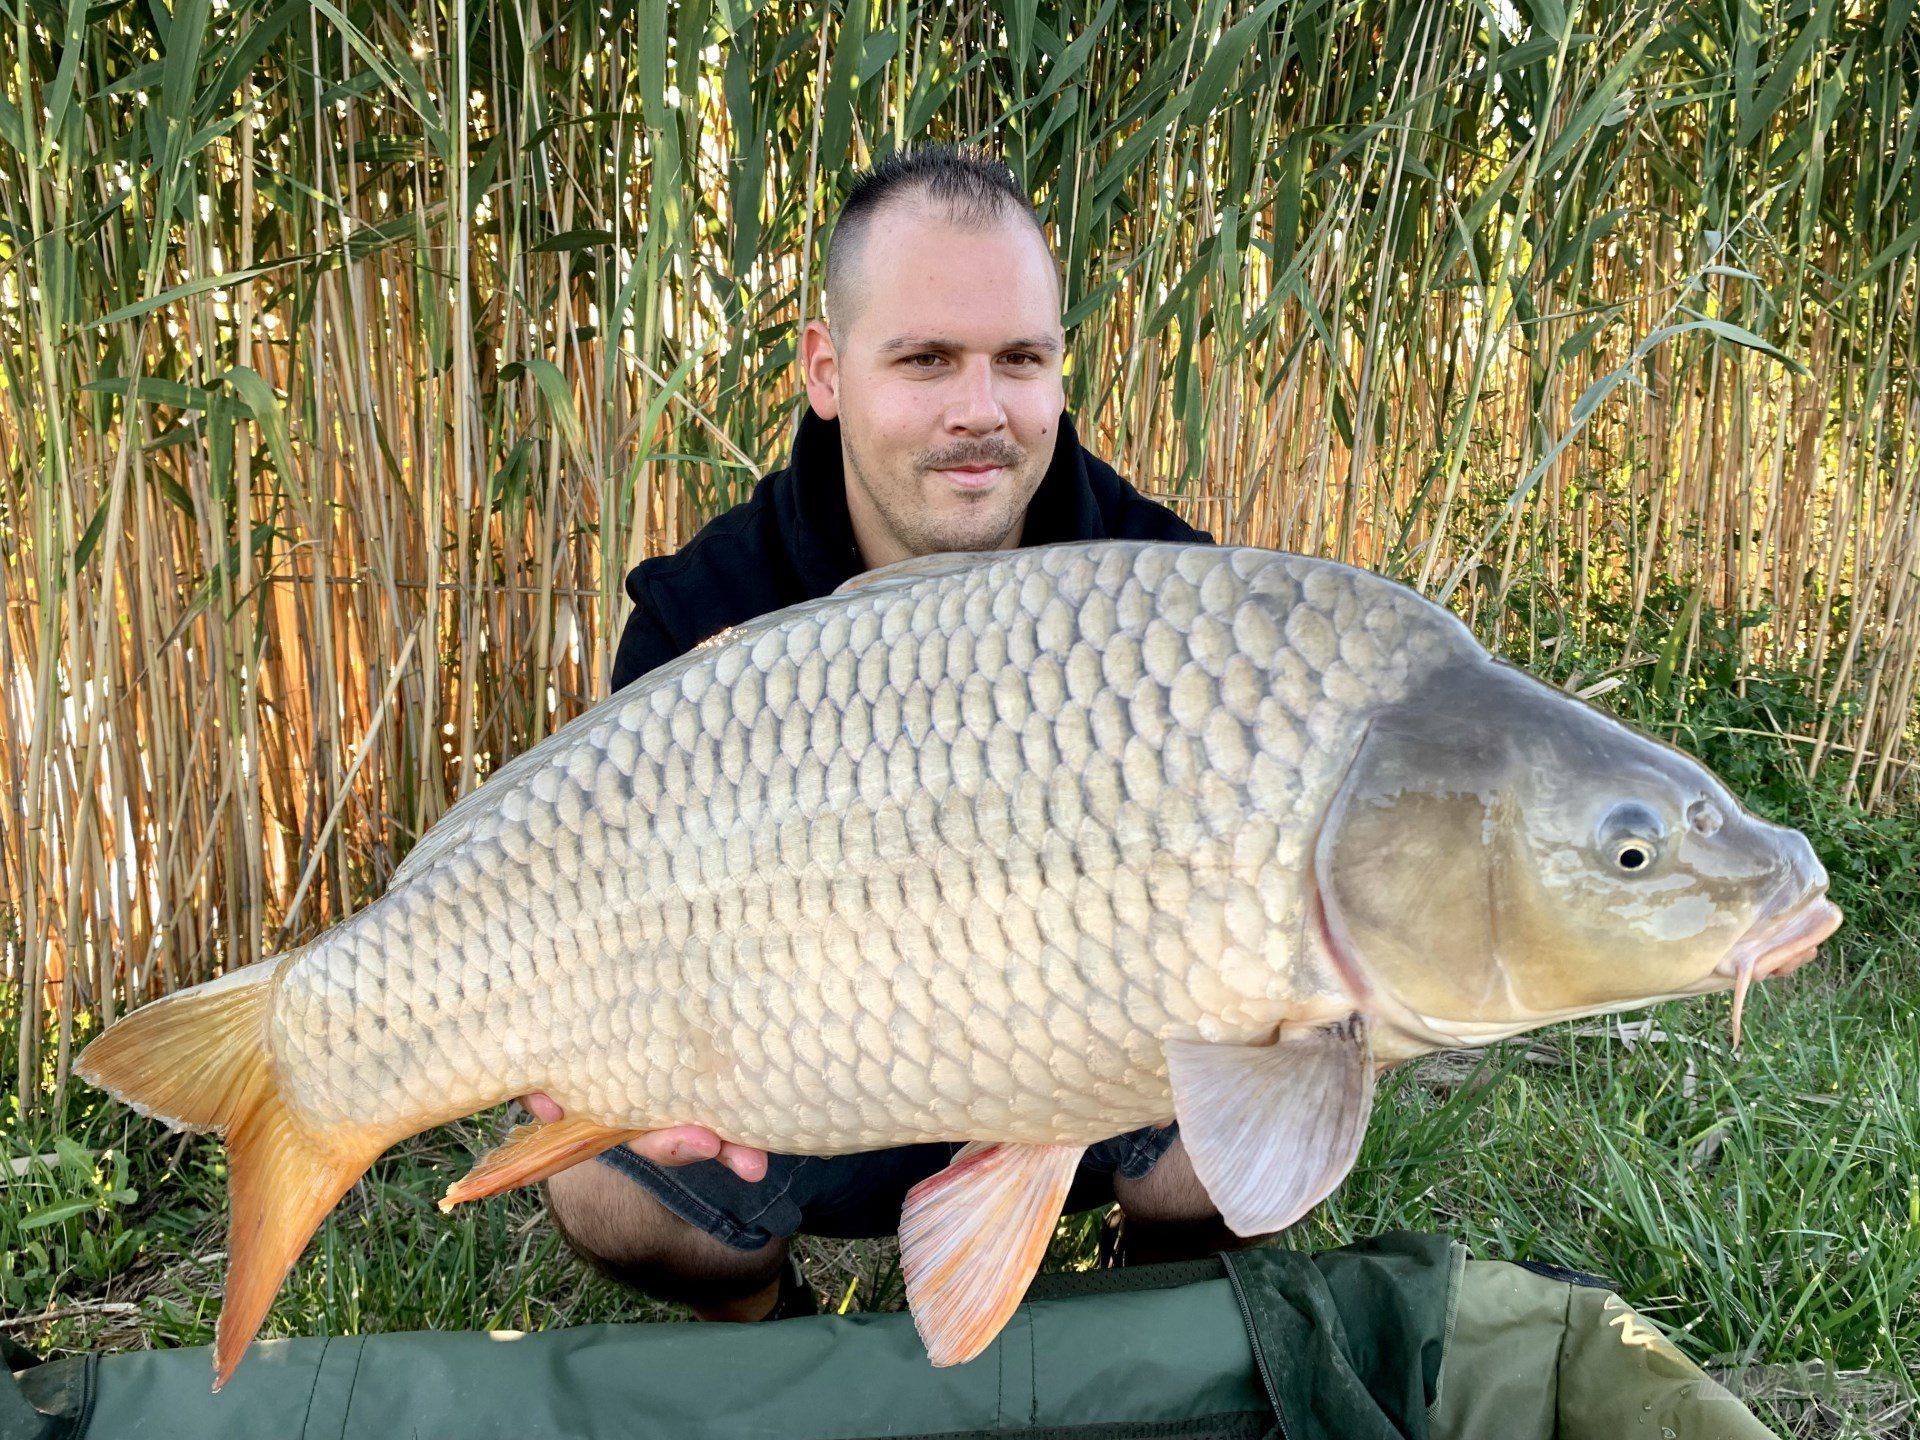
x=1501, y=855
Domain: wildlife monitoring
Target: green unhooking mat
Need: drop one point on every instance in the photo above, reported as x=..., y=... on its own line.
x=1398, y=1338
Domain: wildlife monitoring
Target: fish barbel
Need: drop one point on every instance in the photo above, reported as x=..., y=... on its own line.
x=1024, y=849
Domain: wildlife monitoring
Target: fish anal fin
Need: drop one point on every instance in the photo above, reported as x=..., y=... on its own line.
x=533, y=1152
x=972, y=1237
x=1273, y=1129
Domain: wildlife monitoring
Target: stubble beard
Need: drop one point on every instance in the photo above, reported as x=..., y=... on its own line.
x=991, y=522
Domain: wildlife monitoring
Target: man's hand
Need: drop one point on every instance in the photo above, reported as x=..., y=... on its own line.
x=676, y=1145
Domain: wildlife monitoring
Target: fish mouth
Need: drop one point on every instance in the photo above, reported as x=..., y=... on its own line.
x=1777, y=943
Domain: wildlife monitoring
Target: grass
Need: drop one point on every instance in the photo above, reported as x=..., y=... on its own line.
x=1763, y=1208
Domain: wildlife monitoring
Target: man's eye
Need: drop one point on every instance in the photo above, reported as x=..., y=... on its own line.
x=914, y=361
x=1024, y=358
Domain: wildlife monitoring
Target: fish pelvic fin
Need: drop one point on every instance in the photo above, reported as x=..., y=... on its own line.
x=533, y=1152
x=199, y=1060
x=972, y=1236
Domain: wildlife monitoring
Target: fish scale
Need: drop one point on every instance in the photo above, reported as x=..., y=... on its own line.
x=945, y=856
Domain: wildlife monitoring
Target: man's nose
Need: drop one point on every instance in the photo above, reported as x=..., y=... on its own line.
x=977, y=406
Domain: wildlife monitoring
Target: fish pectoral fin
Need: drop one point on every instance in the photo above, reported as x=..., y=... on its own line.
x=1272, y=1129
x=972, y=1237
x=533, y=1152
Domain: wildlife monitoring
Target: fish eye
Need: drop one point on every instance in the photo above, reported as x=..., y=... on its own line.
x=1632, y=855
x=1630, y=838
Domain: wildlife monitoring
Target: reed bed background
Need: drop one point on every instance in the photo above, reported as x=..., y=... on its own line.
x=352, y=352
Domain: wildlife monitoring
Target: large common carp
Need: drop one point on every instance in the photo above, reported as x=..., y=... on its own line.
x=1026, y=849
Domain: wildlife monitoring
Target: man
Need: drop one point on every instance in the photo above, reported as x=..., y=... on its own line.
x=936, y=423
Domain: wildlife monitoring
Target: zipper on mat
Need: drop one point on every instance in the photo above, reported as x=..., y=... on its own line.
x=1259, y=1351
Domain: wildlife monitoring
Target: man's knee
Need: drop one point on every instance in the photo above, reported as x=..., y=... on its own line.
x=1169, y=1215
x=1169, y=1191
x=619, y=1228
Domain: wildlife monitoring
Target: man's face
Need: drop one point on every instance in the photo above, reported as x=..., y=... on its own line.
x=946, y=382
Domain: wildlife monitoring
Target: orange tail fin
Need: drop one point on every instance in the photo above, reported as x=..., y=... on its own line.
x=198, y=1060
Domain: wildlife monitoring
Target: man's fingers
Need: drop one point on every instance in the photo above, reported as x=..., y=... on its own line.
x=676, y=1145
x=540, y=1105
x=745, y=1161
x=684, y=1144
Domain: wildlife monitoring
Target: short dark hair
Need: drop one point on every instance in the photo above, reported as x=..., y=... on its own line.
x=971, y=185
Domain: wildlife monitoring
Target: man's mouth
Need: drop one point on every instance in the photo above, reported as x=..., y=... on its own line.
x=972, y=477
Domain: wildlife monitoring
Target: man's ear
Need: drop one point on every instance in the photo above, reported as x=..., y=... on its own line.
x=820, y=366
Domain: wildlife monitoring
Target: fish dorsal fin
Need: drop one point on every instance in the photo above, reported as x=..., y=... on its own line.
x=972, y=1237
x=533, y=1152
x=919, y=567
x=1272, y=1129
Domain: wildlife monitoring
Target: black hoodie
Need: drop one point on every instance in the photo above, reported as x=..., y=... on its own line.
x=792, y=540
